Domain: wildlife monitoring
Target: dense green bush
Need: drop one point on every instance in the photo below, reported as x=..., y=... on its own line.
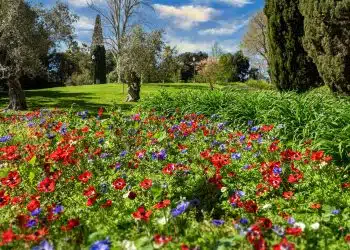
x=317, y=115
x=290, y=66
x=327, y=32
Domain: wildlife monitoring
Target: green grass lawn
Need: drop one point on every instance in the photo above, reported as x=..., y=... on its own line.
x=91, y=97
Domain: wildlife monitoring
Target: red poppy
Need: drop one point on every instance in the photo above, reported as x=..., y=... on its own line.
x=274, y=146
x=119, y=184
x=33, y=204
x=254, y=234
x=8, y=236
x=169, y=169
x=142, y=214
x=347, y=238
x=72, y=223
x=205, y=154
x=4, y=199
x=85, y=177
x=161, y=239
x=22, y=220
x=85, y=129
x=90, y=191
x=265, y=223
x=284, y=244
x=266, y=128
x=287, y=195
x=108, y=203
x=162, y=204
x=296, y=231
x=315, y=206
x=250, y=206
x=146, y=184
x=12, y=180
x=91, y=201
x=47, y=185
x=220, y=160
x=317, y=156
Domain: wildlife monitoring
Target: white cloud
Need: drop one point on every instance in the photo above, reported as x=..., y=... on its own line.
x=185, y=44
x=225, y=28
x=185, y=17
x=237, y=3
x=85, y=23
x=83, y=3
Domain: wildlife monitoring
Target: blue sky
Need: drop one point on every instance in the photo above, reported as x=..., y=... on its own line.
x=190, y=25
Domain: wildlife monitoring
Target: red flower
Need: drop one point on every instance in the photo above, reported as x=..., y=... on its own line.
x=296, y=231
x=119, y=184
x=22, y=220
x=220, y=160
x=85, y=177
x=274, y=146
x=317, y=156
x=85, y=129
x=250, y=206
x=254, y=234
x=146, y=184
x=347, y=238
x=169, y=169
x=4, y=199
x=33, y=204
x=161, y=240
x=284, y=244
x=287, y=195
x=205, y=154
x=142, y=214
x=315, y=206
x=91, y=201
x=264, y=223
x=47, y=185
x=90, y=191
x=162, y=204
x=266, y=128
x=8, y=236
x=108, y=203
x=12, y=180
x=72, y=223
x=294, y=178
x=132, y=195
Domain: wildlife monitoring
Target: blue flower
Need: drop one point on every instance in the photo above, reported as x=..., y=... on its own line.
x=277, y=170
x=336, y=211
x=217, y=222
x=291, y=220
x=31, y=223
x=44, y=245
x=243, y=221
x=36, y=212
x=123, y=153
x=58, y=209
x=236, y=156
x=246, y=166
x=221, y=126
x=101, y=140
x=105, y=155
x=180, y=209
x=250, y=123
x=242, y=138
x=240, y=193
x=278, y=230
x=104, y=188
x=254, y=129
x=117, y=166
x=162, y=155
x=222, y=147
x=50, y=136
x=5, y=138
x=195, y=202
x=101, y=245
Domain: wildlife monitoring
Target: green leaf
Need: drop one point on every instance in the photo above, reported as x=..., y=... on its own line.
x=31, y=176
x=32, y=161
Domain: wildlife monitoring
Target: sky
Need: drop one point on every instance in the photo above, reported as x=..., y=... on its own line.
x=190, y=25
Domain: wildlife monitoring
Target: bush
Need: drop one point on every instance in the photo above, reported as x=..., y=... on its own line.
x=80, y=79
x=317, y=115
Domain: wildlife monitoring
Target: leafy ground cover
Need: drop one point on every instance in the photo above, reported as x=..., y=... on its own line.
x=173, y=181
x=317, y=115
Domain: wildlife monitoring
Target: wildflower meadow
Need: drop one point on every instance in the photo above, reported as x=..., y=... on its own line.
x=72, y=180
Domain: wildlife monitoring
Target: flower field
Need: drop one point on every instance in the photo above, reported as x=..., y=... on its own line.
x=69, y=180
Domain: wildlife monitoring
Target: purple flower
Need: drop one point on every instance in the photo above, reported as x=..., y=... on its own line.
x=240, y=193
x=277, y=170
x=31, y=223
x=250, y=123
x=254, y=129
x=105, y=155
x=336, y=211
x=291, y=220
x=217, y=222
x=278, y=230
x=180, y=209
x=101, y=140
x=123, y=153
x=44, y=245
x=58, y=209
x=236, y=156
x=5, y=138
x=101, y=245
x=36, y=212
x=117, y=166
x=244, y=221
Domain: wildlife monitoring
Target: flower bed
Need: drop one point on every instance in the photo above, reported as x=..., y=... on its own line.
x=70, y=181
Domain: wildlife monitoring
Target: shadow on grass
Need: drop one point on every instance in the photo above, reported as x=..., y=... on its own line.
x=57, y=99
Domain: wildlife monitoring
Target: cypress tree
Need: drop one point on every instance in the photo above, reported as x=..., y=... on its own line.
x=98, y=53
x=290, y=66
x=327, y=40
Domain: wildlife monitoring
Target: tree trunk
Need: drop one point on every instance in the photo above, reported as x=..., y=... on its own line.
x=134, y=86
x=16, y=95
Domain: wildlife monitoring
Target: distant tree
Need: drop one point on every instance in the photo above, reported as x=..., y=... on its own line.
x=121, y=16
x=169, y=65
x=290, y=66
x=327, y=40
x=208, y=69
x=240, y=67
x=216, y=50
x=255, y=74
x=98, y=53
x=26, y=36
x=225, y=67
x=188, y=65
x=141, y=51
x=255, y=43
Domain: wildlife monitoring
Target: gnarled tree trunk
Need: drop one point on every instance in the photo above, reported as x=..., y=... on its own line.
x=134, y=85
x=16, y=95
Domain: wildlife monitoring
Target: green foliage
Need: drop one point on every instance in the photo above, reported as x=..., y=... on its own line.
x=317, y=115
x=233, y=68
x=327, y=32
x=290, y=66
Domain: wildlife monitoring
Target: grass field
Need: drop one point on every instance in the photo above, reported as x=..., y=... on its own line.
x=91, y=97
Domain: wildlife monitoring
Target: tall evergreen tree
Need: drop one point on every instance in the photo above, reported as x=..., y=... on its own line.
x=98, y=53
x=291, y=67
x=327, y=40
